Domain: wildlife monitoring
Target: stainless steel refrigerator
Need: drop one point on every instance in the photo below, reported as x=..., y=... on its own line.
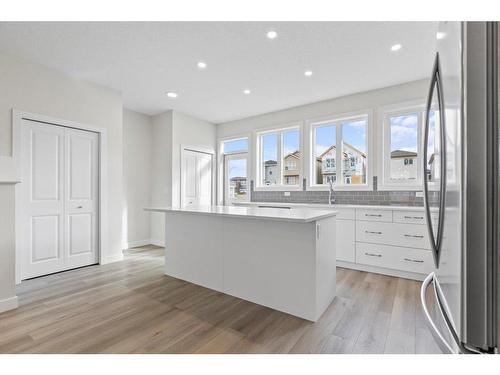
x=461, y=189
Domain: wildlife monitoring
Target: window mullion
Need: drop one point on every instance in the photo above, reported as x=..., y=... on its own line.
x=338, y=153
x=279, y=139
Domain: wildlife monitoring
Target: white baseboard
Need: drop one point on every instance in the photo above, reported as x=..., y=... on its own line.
x=131, y=244
x=112, y=258
x=8, y=304
x=381, y=270
x=157, y=242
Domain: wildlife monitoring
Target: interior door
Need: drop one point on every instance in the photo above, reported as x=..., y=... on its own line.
x=42, y=210
x=81, y=197
x=197, y=178
x=59, y=209
x=236, y=178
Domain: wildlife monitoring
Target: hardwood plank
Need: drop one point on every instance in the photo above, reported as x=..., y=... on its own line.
x=132, y=307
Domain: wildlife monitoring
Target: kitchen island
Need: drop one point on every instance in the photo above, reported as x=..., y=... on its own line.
x=283, y=259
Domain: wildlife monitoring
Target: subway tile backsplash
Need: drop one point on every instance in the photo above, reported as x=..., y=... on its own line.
x=375, y=197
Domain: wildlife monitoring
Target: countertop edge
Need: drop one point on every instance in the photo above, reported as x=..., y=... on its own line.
x=325, y=215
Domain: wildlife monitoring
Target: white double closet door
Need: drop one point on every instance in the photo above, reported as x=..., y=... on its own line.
x=60, y=199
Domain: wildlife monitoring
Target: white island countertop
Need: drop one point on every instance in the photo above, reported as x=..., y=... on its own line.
x=334, y=206
x=298, y=215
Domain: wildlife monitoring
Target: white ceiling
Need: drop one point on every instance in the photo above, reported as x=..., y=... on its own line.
x=145, y=60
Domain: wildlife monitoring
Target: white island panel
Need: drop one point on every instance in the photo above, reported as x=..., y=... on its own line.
x=271, y=264
x=280, y=259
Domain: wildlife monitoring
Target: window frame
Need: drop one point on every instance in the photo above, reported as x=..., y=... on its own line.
x=337, y=119
x=401, y=109
x=257, y=175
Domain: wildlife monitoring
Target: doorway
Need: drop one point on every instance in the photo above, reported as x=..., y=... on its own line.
x=196, y=177
x=59, y=201
x=236, y=178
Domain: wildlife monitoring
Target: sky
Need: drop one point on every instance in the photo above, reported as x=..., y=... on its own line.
x=404, y=135
x=353, y=132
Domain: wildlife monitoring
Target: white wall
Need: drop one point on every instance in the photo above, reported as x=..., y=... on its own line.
x=369, y=100
x=8, y=299
x=37, y=89
x=171, y=131
x=190, y=132
x=137, y=159
x=161, y=169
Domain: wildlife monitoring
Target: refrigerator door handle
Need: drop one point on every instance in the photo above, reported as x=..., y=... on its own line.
x=445, y=314
x=436, y=83
x=441, y=341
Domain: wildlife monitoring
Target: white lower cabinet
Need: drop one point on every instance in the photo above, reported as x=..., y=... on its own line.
x=385, y=241
x=346, y=240
x=397, y=234
x=394, y=257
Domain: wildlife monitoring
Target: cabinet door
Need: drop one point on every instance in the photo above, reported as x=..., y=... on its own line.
x=346, y=240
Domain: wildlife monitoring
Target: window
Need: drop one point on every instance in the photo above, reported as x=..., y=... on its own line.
x=279, y=158
x=234, y=169
x=402, y=148
x=235, y=145
x=342, y=139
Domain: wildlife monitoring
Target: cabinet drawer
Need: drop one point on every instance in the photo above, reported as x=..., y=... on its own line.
x=409, y=217
x=373, y=255
x=396, y=234
x=375, y=232
x=393, y=257
x=374, y=215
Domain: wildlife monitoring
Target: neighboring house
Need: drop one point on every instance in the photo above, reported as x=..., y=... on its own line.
x=237, y=186
x=270, y=172
x=403, y=165
x=433, y=168
x=291, y=170
x=353, y=165
x=291, y=173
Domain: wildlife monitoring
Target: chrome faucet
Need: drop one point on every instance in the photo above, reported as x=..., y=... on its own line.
x=331, y=198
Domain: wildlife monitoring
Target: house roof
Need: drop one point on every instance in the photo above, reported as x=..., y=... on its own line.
x=295, y=154
x=345, y=154
x=402, y=154
x=270, y=162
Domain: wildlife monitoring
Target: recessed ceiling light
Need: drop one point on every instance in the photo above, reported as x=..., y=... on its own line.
x=172, y=94
x=308, y=73
x=396, y=47
x=246, y=91
x=272, y=34
x=202, y=64
x=440, y=35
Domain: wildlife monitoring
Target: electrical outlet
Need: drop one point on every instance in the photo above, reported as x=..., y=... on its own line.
x=286, y=193
x=419, y=194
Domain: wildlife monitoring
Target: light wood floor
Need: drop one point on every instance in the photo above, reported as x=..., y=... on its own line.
x=132, y=307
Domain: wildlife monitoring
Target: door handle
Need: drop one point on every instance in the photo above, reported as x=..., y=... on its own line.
x=372, y=232
x=413, y=260
x=80, y=207
x=413, y=236
x=373, y=215
x=414, y=217
x=435, y=83
x=373, y=255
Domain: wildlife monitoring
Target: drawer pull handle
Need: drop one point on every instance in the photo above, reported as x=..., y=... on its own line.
x=413, y=236
x=413, y=260
x=414, y=217
x=373, y=255
x=372, y=232
x=374, y=215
